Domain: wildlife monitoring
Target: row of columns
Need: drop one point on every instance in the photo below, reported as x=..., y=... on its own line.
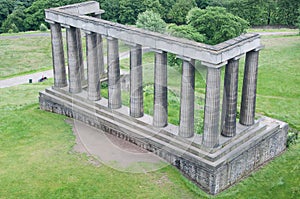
x=95, y=66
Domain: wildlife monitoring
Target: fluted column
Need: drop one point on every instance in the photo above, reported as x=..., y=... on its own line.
x=100, y=47
x=230, y=98
x=92, y=67
x=160, y=112
x=114, y=86
x=73, y=61
x=58, y=57
x=212, y=108
x=249, y=89
x=187, y=99
x=100, y=54
x=136, y=82
x=80, y=55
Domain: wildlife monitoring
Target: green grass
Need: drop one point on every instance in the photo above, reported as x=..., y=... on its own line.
x=26, y=55
x=37, y=161
x=272, y=30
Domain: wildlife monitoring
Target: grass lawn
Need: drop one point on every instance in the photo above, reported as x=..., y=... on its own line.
x=37, y=161
x=22, y=53
x=272, y=30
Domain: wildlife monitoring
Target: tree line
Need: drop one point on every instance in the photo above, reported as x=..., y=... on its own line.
x=24, y=15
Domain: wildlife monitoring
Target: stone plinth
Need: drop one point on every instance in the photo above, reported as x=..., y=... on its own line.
x=213, y=170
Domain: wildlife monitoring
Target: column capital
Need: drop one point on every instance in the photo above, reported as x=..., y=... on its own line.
x=238, y=57
x=88, y=32
x=211, y=65
x=111, y=38
x=65, y=26
x=188, y=59
x=259, y=48
x=157, y=50
x=132, y=44
x=50, y=22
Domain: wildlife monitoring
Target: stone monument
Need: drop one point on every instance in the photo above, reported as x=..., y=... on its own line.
x=228, y=149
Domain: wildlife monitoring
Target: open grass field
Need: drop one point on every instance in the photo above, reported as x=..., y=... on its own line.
x=25, y=53
x=37, y=161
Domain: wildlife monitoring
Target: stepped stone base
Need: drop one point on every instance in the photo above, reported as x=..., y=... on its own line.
x=212, y=170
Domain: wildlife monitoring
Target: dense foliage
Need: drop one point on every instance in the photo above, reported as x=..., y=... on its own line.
x=23, y=15
x=216, y=24
x=263, y=12
x=152, y=21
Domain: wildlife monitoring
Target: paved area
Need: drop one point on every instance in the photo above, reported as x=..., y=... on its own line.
x=112, y=151
x=25, y=79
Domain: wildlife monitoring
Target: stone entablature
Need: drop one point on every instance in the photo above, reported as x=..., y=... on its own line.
x=216, y=55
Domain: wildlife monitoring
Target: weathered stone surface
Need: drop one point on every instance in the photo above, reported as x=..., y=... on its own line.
x=212, y=176
x=136, y=82
x=73, y=61
x=160, y=112
x=113, y=72
x=58, y=58
x=249, y=89
x=230, y=98
x=92, y=67
x=178, y=46
x=212, y=108
x=187, y=99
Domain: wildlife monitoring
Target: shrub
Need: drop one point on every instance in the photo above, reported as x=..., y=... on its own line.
x=292, y=137
x=43, y=27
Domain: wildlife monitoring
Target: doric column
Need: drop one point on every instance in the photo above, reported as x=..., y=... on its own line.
x=160, y=112
x=187, y=99
x=80, y=54
x=73, y=60
x=212, y=107
x=100, y=54
x=92, y=67
x=136, y=82
x=114, y=86
x=58, y=58
x=249, y=89
x=100, y=47
x=230, y=98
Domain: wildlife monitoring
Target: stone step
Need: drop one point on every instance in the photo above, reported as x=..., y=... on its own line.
x=161, y=134
x=143, y=138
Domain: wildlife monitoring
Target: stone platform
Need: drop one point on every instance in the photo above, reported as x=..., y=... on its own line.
x=212, y=169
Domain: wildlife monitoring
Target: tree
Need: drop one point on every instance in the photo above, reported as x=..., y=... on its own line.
x=153, y=5
x=167, y=6
x=35, y=14
x=152, y=21
x=15, y=19
x=179, y=11
x=288, y=12
x=202, y=3
x=298, y=20
x=185, y=31
x=112, y=10
x=6, y=7
x=216, y=24
x=129, y=10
